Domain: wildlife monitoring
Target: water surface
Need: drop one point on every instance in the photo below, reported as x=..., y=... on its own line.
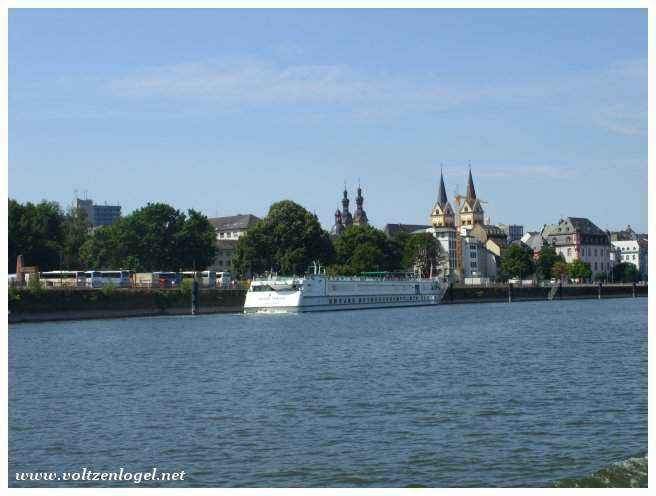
x=522, y=394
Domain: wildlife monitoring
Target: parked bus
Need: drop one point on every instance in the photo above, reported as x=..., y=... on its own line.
x=117, y=278
x=166, y=279
x=222, y=279
x=63, y=279
x=206, y=278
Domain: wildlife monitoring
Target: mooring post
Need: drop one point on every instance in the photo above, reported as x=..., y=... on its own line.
x=194, y=297
x=634, y=289
x=509, y=292
x=599, y=290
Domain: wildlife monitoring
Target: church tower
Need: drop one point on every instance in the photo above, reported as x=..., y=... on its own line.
x=442, y=214
x=471, y=211
x=360, y=217
x=339, y=226
x=347, y=218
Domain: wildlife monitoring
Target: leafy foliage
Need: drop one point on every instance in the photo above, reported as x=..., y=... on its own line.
x=559, y=270
x=423, y=252
x=625, y=272
x=517, y=261
x=287, y=240
x=578, y=269
x=155, y=237
x=546, y=260
x=36, y=232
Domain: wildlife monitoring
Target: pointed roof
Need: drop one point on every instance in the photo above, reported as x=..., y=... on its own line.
x=441, y=195
x=471, y=192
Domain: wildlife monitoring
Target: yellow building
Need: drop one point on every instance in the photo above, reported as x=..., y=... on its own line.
x=442, y=214
x=471, y=211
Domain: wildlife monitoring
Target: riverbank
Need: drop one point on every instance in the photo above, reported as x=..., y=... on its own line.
x=80, y=304
x=503, y=293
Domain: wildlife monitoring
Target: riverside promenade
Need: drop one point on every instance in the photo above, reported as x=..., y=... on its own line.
x=79, y=304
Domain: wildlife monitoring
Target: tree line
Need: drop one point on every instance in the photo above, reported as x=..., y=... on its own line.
x=290, y=239
x=155, y=237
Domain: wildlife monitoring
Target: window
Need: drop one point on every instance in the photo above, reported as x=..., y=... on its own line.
x=595, y=252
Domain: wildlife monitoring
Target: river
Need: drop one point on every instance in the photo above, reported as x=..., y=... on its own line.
x=522, y=394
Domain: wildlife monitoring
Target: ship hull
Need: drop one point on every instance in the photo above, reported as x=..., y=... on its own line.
x=321, y=294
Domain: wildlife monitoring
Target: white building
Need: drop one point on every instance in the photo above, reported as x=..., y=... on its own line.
x=634, y=252
x=443, y=228
x=228, y=231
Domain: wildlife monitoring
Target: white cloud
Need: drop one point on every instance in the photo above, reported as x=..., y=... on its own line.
x=613, y=98
x=253, y=81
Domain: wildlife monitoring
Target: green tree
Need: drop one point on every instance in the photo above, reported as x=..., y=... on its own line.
x=287, y=240
x=424, y=253
x=99, y=250
x=625, y=272
x=517, y=261
x=75, y=233
x=546, y=260
x=395, y=250
x=36, y=232
x=367, y=258
x=559, y=270
x=155, y=237
x=355, y=236
x=578, y=269
x=196, y=242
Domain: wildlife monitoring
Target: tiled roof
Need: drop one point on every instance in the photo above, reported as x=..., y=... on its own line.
x=234, y=222
x=393, y=229
x=571, y=225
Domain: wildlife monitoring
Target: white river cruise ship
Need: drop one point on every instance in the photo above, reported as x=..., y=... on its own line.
x=318, y=292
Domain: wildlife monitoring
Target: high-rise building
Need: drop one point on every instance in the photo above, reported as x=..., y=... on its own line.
x=513, y=231
x=99, y=215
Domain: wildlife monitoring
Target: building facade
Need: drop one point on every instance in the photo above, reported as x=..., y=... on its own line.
x=99, y=215
x=634, y=252
x=513, y=232
x=443, y=227
x=228, y=231
x=577, y=238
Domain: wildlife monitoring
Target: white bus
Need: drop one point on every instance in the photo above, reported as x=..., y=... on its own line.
x=207, y=278
x=222, y=279
x=117, y=278
x=63, y=279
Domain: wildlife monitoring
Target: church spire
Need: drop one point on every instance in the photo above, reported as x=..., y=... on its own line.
x=441, y=195
x=360, y=216
x=471, y=192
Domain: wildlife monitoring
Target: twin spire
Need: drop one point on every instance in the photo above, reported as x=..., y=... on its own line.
x=441, y=193
x=443, y=214
x=344, y=219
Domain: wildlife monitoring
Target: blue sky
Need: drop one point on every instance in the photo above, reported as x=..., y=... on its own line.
x=227, y=111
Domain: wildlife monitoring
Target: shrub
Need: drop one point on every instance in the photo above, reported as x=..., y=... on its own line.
x=108, y=289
